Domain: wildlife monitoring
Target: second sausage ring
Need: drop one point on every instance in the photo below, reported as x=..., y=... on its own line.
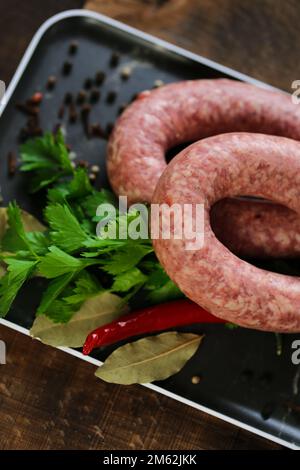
x=213, y=277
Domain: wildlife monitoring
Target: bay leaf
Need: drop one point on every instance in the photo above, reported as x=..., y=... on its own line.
x=149, y=359
x=96, y=311
x=3, y=221
x=31, y=224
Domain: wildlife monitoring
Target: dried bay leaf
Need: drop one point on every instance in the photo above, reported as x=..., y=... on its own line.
x=3, y=221
x=149, y=359
x=31, y=224
x=95, y=312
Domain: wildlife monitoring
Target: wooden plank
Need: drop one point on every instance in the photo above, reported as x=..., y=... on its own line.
x=50, y=400
x=259, y=38
x=19, y=20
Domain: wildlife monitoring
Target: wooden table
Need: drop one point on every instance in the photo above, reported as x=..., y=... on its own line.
x=49, y=400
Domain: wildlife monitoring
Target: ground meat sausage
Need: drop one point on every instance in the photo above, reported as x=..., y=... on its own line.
x=256, y=230
x=220, y=167
x=188, y=111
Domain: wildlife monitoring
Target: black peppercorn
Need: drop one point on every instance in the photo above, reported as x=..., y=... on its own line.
x=68, y=98
x=111, y=97
x=114, y=59
x=95, y=95
x=100, y=77
x=67, y=68
x=88, y=83
x=73, y=47
x=51, y=82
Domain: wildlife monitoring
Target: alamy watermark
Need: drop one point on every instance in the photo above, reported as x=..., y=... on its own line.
x=296, y=354
x=2, y=352
x=162, y=221
x=2, y=91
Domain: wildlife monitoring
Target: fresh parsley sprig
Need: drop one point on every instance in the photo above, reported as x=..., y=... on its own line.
x=77, y=263
x=47, y=158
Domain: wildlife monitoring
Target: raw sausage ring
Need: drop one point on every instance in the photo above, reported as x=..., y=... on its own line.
x=256, y=229
x=220, y=167
x=186, y=112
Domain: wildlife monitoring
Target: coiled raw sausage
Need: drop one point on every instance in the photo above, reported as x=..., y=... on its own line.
x=220, y=167
x=256, y=229
x=188, y=111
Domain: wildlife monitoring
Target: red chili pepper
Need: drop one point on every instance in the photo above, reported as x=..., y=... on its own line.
x=150, y=319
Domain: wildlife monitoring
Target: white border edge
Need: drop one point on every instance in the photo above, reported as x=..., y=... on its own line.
x=183, y=52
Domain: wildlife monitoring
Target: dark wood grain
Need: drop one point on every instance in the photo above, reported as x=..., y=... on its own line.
x=19, y=19
x=256, y=37
x=49, y=400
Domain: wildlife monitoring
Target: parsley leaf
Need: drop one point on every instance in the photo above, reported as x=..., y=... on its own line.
x=157, y=277
x=47, y=157
x=86, y=286
x=62, y=299
x=57, y=262
x=43, y=179
x=78, y=187
x=53, y=291
x=47, y=152
x=64, y=252
x=17, y=273
x=91, y=202
x=166, y=292
x=103, y=245
x=17, y=238
x=125, y=281
x=66, y=231
x=125, y=258
x=39, y=242
x=60, y=312
x=159, y=286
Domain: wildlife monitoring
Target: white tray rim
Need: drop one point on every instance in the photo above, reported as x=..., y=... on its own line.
x=177, y=50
